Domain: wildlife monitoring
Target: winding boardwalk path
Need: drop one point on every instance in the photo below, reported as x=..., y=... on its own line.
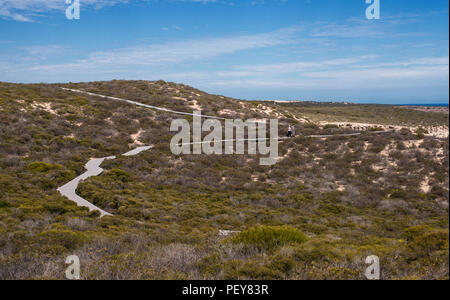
x=144, y=105
x=69, y=189
x=93, y=166
x=93, y=169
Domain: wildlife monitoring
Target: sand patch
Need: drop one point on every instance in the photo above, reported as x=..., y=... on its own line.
x=425, y=185
x=180, y=98
x=438, y=131
x=135, y=137
x=413, y=144
x=385, y=152
x=366, y=146
x=195, y=105
x=45, y=106
x=340, y=187
x=226, y=112
x=280, y=158
x=378, y=167
x=435, y=131
x=109, y=121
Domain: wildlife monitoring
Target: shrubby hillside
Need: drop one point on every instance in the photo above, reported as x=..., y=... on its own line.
x=317, y=214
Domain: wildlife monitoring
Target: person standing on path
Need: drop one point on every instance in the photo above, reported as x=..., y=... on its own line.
x=290, y=132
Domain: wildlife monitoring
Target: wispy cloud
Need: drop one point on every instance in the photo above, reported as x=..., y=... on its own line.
x=337, y=74
x=356, y=80
x=39, y=52
x=176, y=52
x=29, y=10
x=154, y=61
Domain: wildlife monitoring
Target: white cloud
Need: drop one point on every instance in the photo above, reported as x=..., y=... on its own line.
x=175, y=52
x=299, y=66
x=27, y=10
x=338, y=74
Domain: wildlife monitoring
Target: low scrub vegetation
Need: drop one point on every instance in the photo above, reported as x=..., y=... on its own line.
x=317, y=214
x=269, y=237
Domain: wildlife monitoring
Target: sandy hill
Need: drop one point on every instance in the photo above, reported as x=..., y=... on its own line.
x=317, y=214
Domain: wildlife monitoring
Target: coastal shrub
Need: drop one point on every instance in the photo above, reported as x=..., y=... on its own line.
x=119, y=174
x=424, y=245
x=330, y=126
x=4, y=204
x=255, y=271
x=59, y=206
x=420, y=132
x=411, y=233
x=66, y=238
x=283, y=264
x=40, y=166
x=8, y=184
x=78, y=101
x=188, y=198
x=267, y=237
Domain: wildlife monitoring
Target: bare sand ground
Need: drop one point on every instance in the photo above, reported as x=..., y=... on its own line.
x=436, y=131
x=437, y=109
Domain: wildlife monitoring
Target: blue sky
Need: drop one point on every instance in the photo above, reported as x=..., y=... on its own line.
x=250, y=49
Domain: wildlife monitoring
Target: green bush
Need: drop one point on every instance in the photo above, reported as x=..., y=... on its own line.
x=429, y=242
x=420, y=132
x=283, y=264
x=411, y=233
x=330, y=126
x=55, y=207
x=78, y=101
x=40, y=166
x=4, y=203
x=94, y=214
x=398, y=194
x=66, y=238
x=254, y=270
x=210, y=265
x=8, y=184
x=118, y=174
x=267, y=237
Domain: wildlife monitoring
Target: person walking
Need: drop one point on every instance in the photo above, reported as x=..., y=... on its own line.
x=290, y=132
